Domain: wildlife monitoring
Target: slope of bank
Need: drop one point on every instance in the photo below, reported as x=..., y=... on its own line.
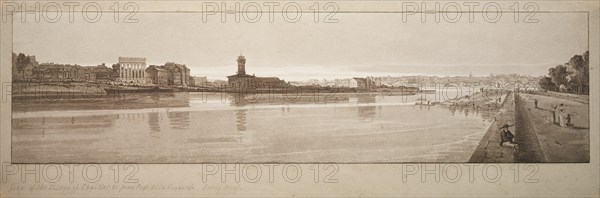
x=527, y=137
x=489, y=149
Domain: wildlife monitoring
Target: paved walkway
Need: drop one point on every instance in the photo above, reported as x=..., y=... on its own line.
x=539, y=139
x=489, y=149
x=560, y=144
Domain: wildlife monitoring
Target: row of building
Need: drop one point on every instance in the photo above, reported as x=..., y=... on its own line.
x=128, y=71
x=368, y=82
x=371, y=82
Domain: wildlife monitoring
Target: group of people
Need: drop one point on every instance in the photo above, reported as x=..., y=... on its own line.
x=559, y=116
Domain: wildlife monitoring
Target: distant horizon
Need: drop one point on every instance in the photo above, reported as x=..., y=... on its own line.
x=338, y=75
x=359, y=45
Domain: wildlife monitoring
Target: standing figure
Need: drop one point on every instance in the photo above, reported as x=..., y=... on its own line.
x=535, y=101
x=554, y=114
x=561, y=116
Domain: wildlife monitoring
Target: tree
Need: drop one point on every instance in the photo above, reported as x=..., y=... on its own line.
x=558, y=75
x=571, y=77
x=578, y=78
x=547, y=84
x=586, y=72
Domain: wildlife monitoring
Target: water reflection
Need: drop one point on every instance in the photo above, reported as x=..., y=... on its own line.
x=154, y=124
x=466, y=110
x=240, y=119
x=367, y=109
x=240, y=112
x=179, y=120
x=240, y=102
x=452, y=109
x=212, y=127
x=64, y=125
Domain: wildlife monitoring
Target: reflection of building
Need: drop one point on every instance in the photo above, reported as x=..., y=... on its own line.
x=179, y=120
x=367, y=112
x=132, y=70
x=240, y=112
x=154, y=123
x=240, y=119
x=93, y=125
x=242, y=81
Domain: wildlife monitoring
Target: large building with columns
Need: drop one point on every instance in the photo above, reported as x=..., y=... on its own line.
x=132, y=70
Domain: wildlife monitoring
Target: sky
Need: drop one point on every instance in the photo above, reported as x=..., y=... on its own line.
x=360, y=44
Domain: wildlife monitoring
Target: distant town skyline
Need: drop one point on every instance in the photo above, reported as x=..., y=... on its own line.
x=359, y=45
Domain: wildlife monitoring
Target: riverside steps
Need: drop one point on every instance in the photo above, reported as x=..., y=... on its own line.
x=489, y=149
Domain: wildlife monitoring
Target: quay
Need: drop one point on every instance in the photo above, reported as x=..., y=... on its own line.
x=489, y=149
x=540, y=139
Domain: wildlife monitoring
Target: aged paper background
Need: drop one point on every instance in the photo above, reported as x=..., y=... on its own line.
x=195, y=180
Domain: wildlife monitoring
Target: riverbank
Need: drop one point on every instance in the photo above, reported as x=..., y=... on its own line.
x=489, y=101
x=539, y=139
x=489, y=149
x=560, y=144
x=75, y=90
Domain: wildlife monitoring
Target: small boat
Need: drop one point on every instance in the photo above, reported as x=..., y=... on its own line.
x=136, y=90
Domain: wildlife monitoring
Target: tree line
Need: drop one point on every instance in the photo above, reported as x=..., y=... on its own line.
x=571, y=77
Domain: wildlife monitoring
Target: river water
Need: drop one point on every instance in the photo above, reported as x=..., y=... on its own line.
x=219, y=127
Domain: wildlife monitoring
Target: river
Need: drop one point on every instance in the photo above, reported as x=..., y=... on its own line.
x=229, y=128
